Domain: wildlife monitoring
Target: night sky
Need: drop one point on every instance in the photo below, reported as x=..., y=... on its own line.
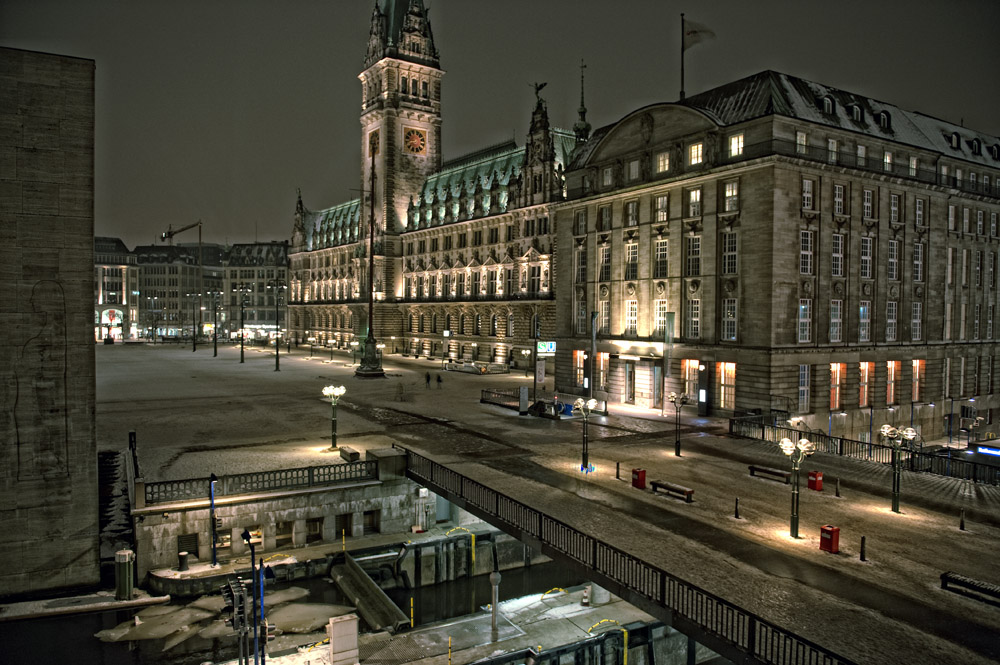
x=218, y=110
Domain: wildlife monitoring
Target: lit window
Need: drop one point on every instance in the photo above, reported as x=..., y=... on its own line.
x=662, y=208
x=913, y=166
x=805, y=320
x=864, y=321
x=800, y=142
x=662, y=162
x=836, y=380
x=865, y=372
x=736, y=145
x=892, y=376
x=695, y=153
x=729, y=321
x=886, y=160
x=732, y=196
x=694, y=203
x=727, y=385
x=918, y=379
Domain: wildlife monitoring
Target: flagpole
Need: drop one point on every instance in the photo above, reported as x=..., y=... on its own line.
x=682, y=56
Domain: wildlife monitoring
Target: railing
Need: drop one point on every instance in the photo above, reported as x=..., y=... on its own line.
x=264, y=481
x=729, y=623
x=754, y=427
x=506, y=397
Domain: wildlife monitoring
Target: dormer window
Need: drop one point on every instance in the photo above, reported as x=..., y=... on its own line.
x=995, y=151
x=856, y=113
x=956, y=140
x=976, y=147
x=827, y=105
x=883, y=120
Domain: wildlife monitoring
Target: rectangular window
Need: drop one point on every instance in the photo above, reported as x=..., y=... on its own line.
x=690, y=369
x=993, y=218
x=579, y=363
x=892, y=377
x=805, y=320
x=892, y=265
x=736, y=145
x=662, y=162
x=918, y=262
x=803, y=388
x=886, y=160
x=866, y=258
x=919, y=211
x=695, y=153
x=946, y=377
x=604, y=218
x=604, y=316
x=966, y=224
x=805, y=252
x=607, y=176
x=694, y=256
x=801, y=143
x=894, y=207
x=947, y=321
x=891, y=308
x=729, y=253
x=581, y=314
x=581, y=266
x=732, y=196
x=980, y=222
x=918, y=380
x=913, y=166
x=862, y=155
x=837, y=255
x=865, y=321
x=961, y=320
x=989, y=322
x=662, y=208
x=865, y=375
x=838, y=199
x=979, y=268
x=869, y=204
x=660, y=257
x=631, y=213
x=976, y=311
x=659, y=319
x=951, y=218
x=603, y=362
x=727, y=385
x=831, y=151
x=694, y=203
x=632, y=261
x=949, y=269
x=605, y=273
x=836, y=320
x=631, y=316
x=991, y=272
x=633, y=170
x=729, y=321
x=694, y=319
x=917, y=322
x=836, y=381
x=807, y=194
x=965, y=267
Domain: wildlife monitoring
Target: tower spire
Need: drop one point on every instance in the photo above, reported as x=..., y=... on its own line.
x=582, y=128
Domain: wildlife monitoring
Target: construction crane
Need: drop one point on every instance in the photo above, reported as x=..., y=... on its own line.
x=168, y=235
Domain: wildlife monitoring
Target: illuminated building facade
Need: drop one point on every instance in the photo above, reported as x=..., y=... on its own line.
x=116, y=290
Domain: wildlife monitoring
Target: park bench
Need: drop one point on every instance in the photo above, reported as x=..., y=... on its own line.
x=349, y=454
x=768, y=471
x=965, y=584
x=673, y=488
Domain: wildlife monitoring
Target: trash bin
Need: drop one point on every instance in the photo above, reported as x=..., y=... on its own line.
x=829, y=538
x=816, y=480
x=639, y=478
x=123, y=574
x=182, y=561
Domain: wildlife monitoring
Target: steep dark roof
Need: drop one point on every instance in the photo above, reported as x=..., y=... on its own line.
x=258, y=254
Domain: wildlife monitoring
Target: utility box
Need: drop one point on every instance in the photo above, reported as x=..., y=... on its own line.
x=124, y=561
x=639, y=479
x=816, y=480
x=829, y=539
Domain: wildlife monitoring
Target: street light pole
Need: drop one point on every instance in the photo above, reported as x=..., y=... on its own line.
x=678, y=401
x=211, y=495
x=895, y=438
x=215, y=324
x=585, y=407
x=797, y=452
x=253, y=572
x=334, y=393
x=276, y=284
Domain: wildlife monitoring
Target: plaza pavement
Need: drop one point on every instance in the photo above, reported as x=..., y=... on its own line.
x=197, y=415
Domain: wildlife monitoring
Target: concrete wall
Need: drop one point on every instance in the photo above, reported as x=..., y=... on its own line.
x=48, y=477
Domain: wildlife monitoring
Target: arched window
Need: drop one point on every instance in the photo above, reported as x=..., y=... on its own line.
x=461, y=324
x=976, y=147
x=421, y=329
x=409, y=327
x=479, y=324
x=828, y=105
x=493, y=325
x=883, y=120
x=447, y=322
x=856, y=113
x=510, y=325
x=536, y=329
x=434, y=323
x=956, y=140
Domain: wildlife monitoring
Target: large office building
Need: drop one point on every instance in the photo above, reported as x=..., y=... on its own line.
x=772, y=244
x=116, y=290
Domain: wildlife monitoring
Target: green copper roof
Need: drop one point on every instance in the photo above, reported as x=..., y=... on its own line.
x=332, y=227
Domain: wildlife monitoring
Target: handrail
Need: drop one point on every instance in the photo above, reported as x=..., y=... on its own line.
x=743, y=630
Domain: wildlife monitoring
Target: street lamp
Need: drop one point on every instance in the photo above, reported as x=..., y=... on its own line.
x=585, y=407
x=276, y=284
x=334, y=393
x=243, y=288
x=797, y=452
x=354, y=352
x=195, y=298
x=211, y=497
x=895, y=438
x=444, y=346
x=678, y=401
x=524, y=354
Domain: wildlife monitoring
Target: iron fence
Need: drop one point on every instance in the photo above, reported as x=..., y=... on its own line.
x=264, y=481
x=742, y=629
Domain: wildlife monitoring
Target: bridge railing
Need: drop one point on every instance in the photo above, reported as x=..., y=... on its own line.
x=746, y=631
x=193, y=489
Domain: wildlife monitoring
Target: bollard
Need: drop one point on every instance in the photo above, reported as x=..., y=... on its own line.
x=961, y=521
x=863, y=549
x=737, y=515
x=838, y=487
x=182, y=561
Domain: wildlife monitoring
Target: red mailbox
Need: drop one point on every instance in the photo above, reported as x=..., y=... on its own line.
x=639, y=478
x=816, y=480
x=829, y=538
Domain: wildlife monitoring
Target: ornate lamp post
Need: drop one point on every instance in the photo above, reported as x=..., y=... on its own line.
x=334, y=393
x=524, y=354
x=585, y=407
x=277, y=285
x=678, y=401
x=895, y=438
x=797, y=452
x=242, y=288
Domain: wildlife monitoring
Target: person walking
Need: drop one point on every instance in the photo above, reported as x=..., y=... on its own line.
x=427, y=378
x=439, y=381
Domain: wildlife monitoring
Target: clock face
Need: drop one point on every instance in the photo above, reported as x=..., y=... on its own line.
x=414, y=141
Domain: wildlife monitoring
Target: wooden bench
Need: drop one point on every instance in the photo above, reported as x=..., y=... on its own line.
x=673, y=488
x=349, y=454
x=768, y=471
x=965, y=585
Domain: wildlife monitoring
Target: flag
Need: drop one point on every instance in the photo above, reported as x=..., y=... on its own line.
x=695, y=33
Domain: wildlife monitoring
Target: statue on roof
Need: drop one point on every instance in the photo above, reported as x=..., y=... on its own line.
x=538, y=90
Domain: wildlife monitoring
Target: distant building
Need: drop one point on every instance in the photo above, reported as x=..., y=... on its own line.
x=256, y=275
x=169, y=285
x=116, y=290
x=48, y=478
